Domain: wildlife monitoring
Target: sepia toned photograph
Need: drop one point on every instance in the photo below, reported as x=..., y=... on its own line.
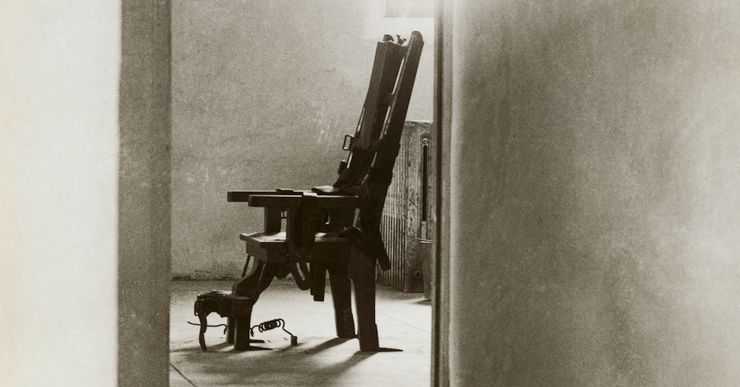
x=369, y=193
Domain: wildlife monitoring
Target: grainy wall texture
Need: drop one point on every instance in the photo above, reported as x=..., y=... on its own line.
x=58, y=204
x=144, y=196
x=263, y=91
x=595, y=199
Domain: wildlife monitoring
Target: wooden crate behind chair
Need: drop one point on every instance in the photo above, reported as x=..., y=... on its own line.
x=409, y=210
x=330, y=229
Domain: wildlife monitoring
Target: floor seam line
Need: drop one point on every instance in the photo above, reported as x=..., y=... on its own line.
x=183, y=375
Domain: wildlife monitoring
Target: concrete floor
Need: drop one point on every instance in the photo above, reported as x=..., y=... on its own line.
x=320, y=359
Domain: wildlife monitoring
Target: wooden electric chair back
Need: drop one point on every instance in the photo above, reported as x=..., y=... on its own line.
x=334, y=229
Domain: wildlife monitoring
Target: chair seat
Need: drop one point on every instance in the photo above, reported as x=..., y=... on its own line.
x=273, y=247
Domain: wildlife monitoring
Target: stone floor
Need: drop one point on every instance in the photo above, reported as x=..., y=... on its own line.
x=320, y=359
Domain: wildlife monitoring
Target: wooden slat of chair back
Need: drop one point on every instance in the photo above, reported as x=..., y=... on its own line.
x=382, y=80
x=380, y=172
x=386, y=66
x=373, y=154
x=381, y=169
x=383, y=113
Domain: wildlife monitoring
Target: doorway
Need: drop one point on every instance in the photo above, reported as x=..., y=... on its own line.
x=299, y=69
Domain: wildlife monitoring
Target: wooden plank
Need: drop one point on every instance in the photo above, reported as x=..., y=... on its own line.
x=337, y=201
x=285, y=200
x=272, y=220
x=279, y=201
x=385, y=69
x=243, y=196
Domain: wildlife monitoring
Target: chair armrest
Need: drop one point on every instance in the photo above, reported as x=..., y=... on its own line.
x=285, y=198
x=243, y=196
x=273, y=200
x=293, y=201
x=338, y=201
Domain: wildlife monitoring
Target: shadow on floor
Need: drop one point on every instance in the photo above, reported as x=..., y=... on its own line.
x=305, y=364
x=320, y=359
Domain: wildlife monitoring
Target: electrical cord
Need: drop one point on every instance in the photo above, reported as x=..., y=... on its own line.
x=211, y=326
x=272, y=324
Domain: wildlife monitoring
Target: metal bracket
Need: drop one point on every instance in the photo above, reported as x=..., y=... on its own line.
x=347, y=143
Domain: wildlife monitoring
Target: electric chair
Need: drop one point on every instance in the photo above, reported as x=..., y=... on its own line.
x=329, y=229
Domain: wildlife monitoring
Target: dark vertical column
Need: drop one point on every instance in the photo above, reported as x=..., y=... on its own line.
x=341, y=294
x=144, y=193
x=362, y=271
x=442, y=125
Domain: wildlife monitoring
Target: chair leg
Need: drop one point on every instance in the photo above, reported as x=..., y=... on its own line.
x=318, y=280
x=230, y=330
x=242, y=318
x=341, y=294
x=362, y=270
x=246, y=292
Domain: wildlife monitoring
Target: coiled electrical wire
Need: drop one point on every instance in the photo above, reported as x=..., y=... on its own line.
x=272, y=324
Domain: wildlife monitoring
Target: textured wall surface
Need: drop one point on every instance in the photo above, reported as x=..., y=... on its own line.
x=144, y=197
x=263, y=92
x=595, y=195
x=58, y=167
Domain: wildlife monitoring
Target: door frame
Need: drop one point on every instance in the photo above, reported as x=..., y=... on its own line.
x=441, y=261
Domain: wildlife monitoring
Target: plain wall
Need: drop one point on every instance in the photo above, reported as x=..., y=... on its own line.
x=59, y=77
x=263, y=92
x=594, y=196
x=144, y=194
